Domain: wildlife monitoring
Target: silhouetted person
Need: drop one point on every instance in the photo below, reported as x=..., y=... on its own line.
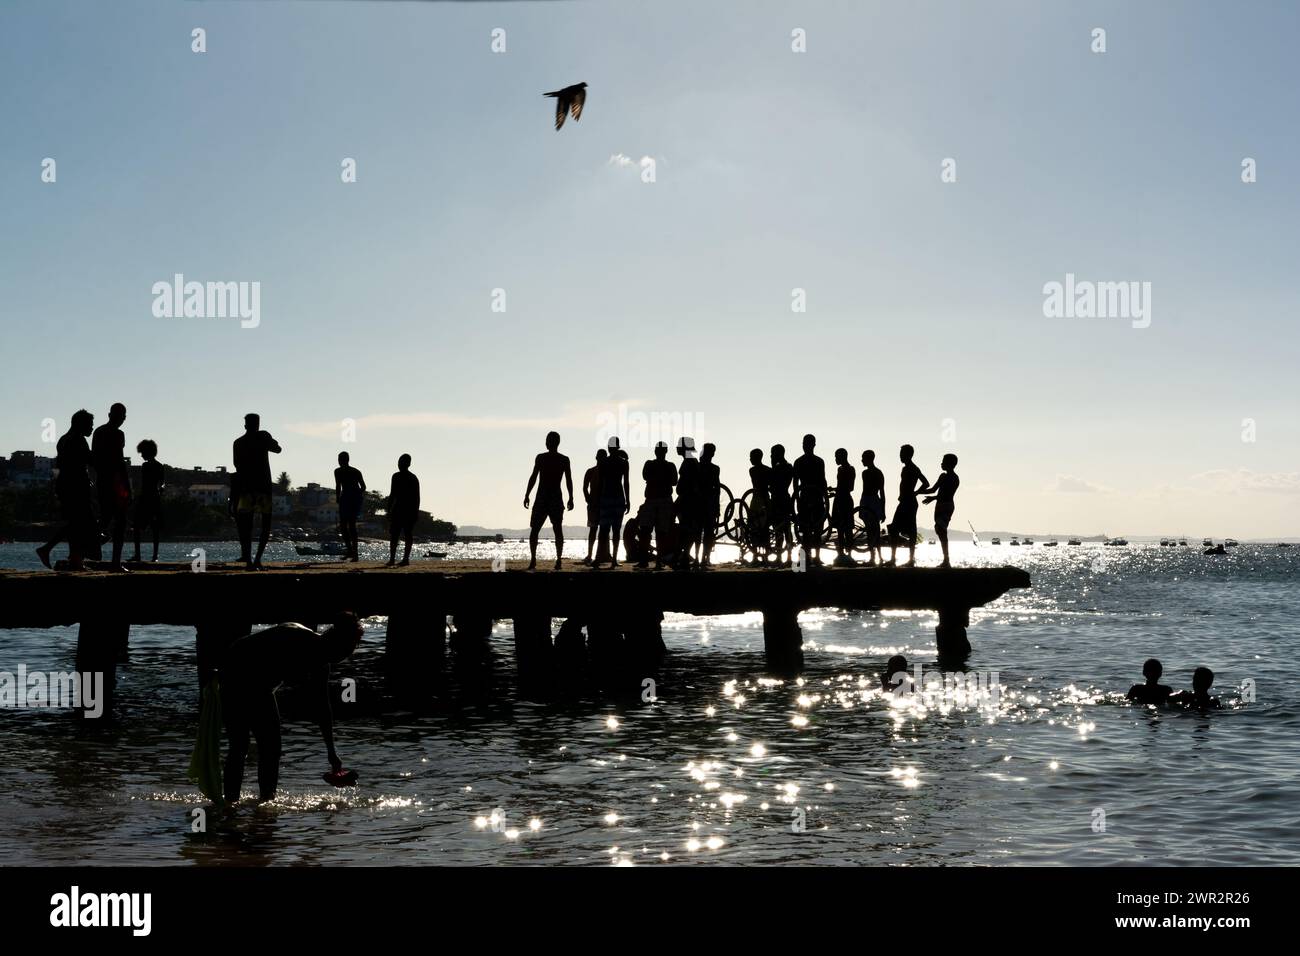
x=148, y=507
x=688, y=506
x=615, y=498
x=943, y=491
x=842, y=508
x=636, y=543
x=591, y=495
x=904, y=524
x=895, y=679
x=548, y=468
x=710, y=500
x=72, y=487
x=660, y=477
x=782, y=508
x=872, y=506
x=810, y=499
x=1199, y=696
x=403, y=509
x=252, y=669
x=759, y=517
x=251, y=487
x=1152, y=692
x=349, y=494
x=112, y=479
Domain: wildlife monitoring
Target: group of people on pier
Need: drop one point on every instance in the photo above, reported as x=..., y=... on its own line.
x=787, y=505
x=96, y=510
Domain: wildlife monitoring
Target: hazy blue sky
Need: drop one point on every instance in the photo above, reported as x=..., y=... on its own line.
x=775, y=170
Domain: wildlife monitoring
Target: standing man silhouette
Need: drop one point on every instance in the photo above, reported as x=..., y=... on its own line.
x=112, y=479
x=251, y=487
x=810, y=499
x=842, y=509
x=548, y=468
x=872, y=505
x=711, y=500
x=904, y=523
x=403, y=509
x=660, y=476
x=688, y=503
x=943, y=491
x=615, y=501
x=782, y=508
x=591, y=495
x=72, y=486
x=349, y=494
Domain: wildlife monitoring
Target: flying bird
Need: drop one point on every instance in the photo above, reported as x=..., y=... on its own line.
x=569, y=100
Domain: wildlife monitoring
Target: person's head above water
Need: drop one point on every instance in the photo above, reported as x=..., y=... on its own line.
x=552, y=441
x=868, y=458
x=117, y=413
x=949, y=462
x=1152, y=670
x=708, y=451
x=661, y=449
x=756, y=456
x=1202, y=680
x=148, y=449
x=896, y=665
x=83, y=423
x=342, y=636
x=252, y=422
x=778, y=453
x=906, y=452
x=809, y=443
x=841, y=456
x=404, y=463
x=344, y=458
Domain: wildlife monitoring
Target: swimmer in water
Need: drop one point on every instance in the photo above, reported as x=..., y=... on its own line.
x=1199, y=696
x=1152, y=692
x=894, y=679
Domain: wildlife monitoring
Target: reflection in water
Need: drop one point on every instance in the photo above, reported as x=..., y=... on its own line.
x=726, y=764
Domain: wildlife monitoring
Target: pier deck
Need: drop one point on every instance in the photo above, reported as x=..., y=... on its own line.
x=614, y=607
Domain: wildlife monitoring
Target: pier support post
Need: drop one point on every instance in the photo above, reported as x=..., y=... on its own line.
x=533, y=647
x=950, y=635
x=99, y=645
x=782, y=639
x=471, y=634
x=645, y=642
x=415, y=639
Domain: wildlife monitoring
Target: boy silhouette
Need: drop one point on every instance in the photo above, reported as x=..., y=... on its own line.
x=904, y=523
x=403, y=509
x=943, y=491
x=872, y=506
x=548, y=468
x=1152, y=692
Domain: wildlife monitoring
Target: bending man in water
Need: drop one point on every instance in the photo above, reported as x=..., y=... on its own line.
x=253, y=669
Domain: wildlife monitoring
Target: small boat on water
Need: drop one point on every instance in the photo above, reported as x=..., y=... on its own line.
x=435, y=554
x=1165, y=542
x=1116, y=542
x=997, y=541
x=1207, y=543
x=1074, y=541
x=1027, y=541
x=1051, y=544
x=1182, y=542
x=1217, y=549
x=1229, y=542
x=1015, y=543
x=1284, y=544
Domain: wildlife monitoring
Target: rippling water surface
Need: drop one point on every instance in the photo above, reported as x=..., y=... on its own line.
x=727, y=765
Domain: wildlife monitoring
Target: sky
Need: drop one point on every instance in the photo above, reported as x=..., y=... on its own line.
x=667, y=302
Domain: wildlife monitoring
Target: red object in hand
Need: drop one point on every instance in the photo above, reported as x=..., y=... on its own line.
x=340, y=778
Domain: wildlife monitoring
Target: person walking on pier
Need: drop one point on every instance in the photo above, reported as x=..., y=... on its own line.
x=943, y=491
x=349, y=494
x=660, y=477
x=810, y=499
x=782, y=511
x=872, y=506
x=710, y=500
x=904, y=524
x=112, y=479
x=591, y=495
x=251, y=487
x=403, y=509
x=614, y=497
x=548, y=468
x=688, y=505
x=148, y=506
x=842, y=509
x=250, y=672
x=72, y=487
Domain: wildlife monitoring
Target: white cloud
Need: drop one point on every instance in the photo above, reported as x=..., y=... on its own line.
x=1227, y=481
x=1069, y=484
x=624, y=161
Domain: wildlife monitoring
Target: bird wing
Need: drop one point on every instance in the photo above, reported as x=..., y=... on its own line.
x=561, y=107
x=579, y=100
